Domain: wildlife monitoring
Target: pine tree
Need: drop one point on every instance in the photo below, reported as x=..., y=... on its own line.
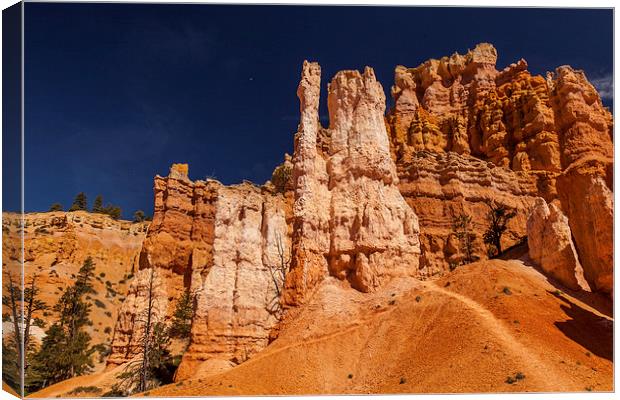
x=11, y=299
x=11, y=365
x=113, y=211
x=181, y=324
x=498, y=216
x=79, y=203
x=56, y=207
x=98, y=204
x=65, y=350
x=138, y=216
x=461, y=227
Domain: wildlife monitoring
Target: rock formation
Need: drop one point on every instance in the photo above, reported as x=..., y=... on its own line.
x=220, y=244
x=550, y=129
x=55, y=247
x=441, y=186
x=551, y=246
x=351, y=221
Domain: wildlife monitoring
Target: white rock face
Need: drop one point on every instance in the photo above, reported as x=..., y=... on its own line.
x=236, y=297
x=551, y=246
x=355, y=224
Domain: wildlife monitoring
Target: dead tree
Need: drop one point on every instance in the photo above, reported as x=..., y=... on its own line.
x=137, y=375
x=278, y=273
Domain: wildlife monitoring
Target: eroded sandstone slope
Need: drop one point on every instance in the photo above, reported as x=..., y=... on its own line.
x=55, y=247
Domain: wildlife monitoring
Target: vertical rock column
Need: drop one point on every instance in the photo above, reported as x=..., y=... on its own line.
x=584, y=187
x=373, y=231
x=350, y=220
x=312, y=197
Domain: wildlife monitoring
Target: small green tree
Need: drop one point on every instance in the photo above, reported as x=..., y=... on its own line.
x=138, y=216
x=65, y=351
x=56, y=207
x=79, y=203
x=98, y=204
x=113, y=211
x=181, y=324
x=461, y=226
x=499, y=215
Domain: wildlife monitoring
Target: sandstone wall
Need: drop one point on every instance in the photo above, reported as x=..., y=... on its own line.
x=554, y=129
x=218, y=243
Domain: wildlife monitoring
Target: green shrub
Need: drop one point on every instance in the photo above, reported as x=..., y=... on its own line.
x=281, y=177
x=99, y=303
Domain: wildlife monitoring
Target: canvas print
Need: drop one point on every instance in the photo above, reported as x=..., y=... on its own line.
x=228, y=200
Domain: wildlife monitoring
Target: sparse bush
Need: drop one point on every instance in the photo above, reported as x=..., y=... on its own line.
x=418, y=299
x=138, y=216
x=107, y=330
x=99, y=303
x=56, y=207
x=85, y=390
x=108, y=314
x=102, y=274
x=506, y=290
x=281, y=177
x=518, y=377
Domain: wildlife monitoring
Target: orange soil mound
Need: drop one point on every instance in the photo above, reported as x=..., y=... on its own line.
x=461, y=333
x=465, y=332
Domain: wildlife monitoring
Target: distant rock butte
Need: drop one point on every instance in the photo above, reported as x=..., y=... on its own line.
x=373, y=196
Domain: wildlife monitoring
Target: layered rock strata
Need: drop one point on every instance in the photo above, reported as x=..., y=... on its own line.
x=551, y=246
x=554, y=129
x=220, y=244
x=440, y=187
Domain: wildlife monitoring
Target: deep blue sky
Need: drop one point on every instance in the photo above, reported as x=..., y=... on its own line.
x=115, y=93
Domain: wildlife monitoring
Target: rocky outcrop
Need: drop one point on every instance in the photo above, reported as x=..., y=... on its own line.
x=588, y=203
x=551, y=247
x=351, y=221
x=554, y=129
x=55, y=247
x=221, y=244
x=585, y=186
x=237, y=303
x=461, y=134
x=509, y=117
x=439, y=187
